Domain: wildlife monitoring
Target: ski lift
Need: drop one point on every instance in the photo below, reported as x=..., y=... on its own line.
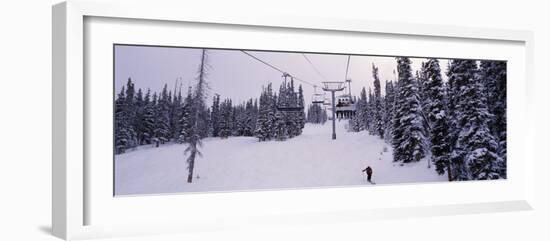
x=326, y=100
x=349, y=86
x=287, y=108
x=317, y=98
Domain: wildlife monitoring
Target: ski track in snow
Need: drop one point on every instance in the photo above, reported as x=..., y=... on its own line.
x=312, y=159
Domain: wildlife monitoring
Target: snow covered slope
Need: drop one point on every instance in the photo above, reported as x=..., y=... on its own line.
x=237, y=163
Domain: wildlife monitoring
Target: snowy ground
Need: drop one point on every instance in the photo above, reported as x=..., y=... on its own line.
x=309, y=160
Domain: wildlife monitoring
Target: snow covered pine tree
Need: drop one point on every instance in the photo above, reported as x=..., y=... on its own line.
x=408, y=133
x=225, y=125
x=389, y=100
x=493, y=76
x=162, y=118
x=377, y=110
x=437, y=117
x=474, y=154
x=264, y=123
x=121, y=124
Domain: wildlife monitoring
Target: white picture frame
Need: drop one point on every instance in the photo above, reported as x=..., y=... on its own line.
x=71, y=187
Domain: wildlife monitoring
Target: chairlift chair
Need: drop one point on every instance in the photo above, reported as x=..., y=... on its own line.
x=326, y=101
x=318, y=99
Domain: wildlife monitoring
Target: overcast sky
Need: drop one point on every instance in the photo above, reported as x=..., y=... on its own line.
x=238, y=76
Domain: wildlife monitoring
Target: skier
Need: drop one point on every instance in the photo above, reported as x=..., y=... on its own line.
x=368, y=170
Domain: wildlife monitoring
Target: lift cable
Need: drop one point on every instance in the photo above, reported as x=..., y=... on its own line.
x=347, y=67
x=275, y=68
x=314, y=68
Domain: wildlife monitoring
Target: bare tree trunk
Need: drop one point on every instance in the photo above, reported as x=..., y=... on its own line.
x=191, y=165
x=198, y=102
x=449, y=175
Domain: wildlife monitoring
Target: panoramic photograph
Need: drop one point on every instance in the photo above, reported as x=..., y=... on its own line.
x=209, y=120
